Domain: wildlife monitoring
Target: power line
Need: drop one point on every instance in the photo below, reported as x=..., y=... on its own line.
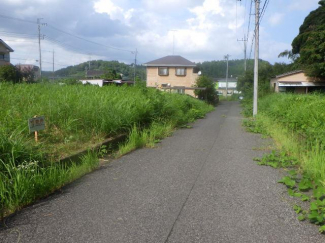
x=14, y=34
x=245, y=11
x=55, y=41
x=92, y=42
x=59, y=64
x=67, y=33
x=249, y=20
x=266, y=3
x=30, y=41
x=62, y=44
x=15, y=58
x=13, y=18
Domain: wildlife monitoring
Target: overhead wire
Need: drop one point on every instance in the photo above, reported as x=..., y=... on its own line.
x=63, y=44
x=249, y=20
x=265, y=5
x=67, y=33
x=92, y=42
x=18, y=19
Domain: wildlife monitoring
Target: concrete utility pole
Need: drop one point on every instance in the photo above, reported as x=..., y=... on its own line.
x=245, y=52
x=135, y=64
x=89, y=62
x=257, y=23
x=53, y=64
x=227, y=58
x=39, y=45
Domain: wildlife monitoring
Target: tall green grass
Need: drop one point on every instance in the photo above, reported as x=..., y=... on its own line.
x=24, y=183
x=297, y=123
x=145, y=138
x=76, y=116
x=79, y=115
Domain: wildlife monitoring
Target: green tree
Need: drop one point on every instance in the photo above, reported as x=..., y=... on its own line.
x=265, y=73
x=9, y=73
x=210, y=93
x=111, y=74
x=310, y=43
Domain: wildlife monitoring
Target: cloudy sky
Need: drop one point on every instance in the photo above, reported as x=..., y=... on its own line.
x=201, y=30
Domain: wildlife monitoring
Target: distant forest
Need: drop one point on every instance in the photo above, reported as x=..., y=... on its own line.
x=79, y=71
x=213, y=69
x=217, y=69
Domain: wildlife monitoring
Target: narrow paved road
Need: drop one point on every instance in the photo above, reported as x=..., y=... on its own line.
x=200, y=185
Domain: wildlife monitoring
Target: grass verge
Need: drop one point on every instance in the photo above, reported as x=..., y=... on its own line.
x=145, y=138
x=22, y=184
x=300, y=153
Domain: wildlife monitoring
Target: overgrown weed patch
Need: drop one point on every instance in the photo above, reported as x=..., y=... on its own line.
x=77, y=117
x=304, y=164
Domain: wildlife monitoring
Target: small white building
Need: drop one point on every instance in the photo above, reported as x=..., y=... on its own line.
x=99, y=82
x=221, y=85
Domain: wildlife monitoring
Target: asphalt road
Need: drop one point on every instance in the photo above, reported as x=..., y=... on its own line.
x=200, y=185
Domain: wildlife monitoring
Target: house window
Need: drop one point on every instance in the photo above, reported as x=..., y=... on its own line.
x=2, y=56
x=180, y=71
x=163, y=71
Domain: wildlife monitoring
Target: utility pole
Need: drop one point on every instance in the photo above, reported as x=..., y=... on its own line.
x=53, y=64
x=245, y=52
x=257, y=23
x=89, y=61
x=135, y=64
x=227, y=58
x=39, y=45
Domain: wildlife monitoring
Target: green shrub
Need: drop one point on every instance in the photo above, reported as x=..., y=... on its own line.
x=9, y=73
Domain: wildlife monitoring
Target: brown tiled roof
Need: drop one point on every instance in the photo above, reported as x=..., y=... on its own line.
x=289, y=73
x=171, y=61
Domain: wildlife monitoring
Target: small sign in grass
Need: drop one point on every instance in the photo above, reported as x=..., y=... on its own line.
x=36, y=124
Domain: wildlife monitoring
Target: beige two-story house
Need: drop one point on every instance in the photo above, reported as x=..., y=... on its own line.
x=4, y=53
x=174, y=72
x=296, y=82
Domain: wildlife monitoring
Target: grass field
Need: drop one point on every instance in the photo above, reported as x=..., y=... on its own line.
x=76, y=117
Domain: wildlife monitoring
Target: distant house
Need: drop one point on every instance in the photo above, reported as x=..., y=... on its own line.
x=221, y=86
x=174, y=72
x=4, y=53
x=29, y=72
x=296, y=82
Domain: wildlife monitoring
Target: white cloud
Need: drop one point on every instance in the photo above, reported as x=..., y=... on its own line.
x=208, y=7
x=114, y=11
x=169, y=6
x=269, y=49
x=208, y=33
x=276, y=19
x=30, y=2
x=206, y=29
